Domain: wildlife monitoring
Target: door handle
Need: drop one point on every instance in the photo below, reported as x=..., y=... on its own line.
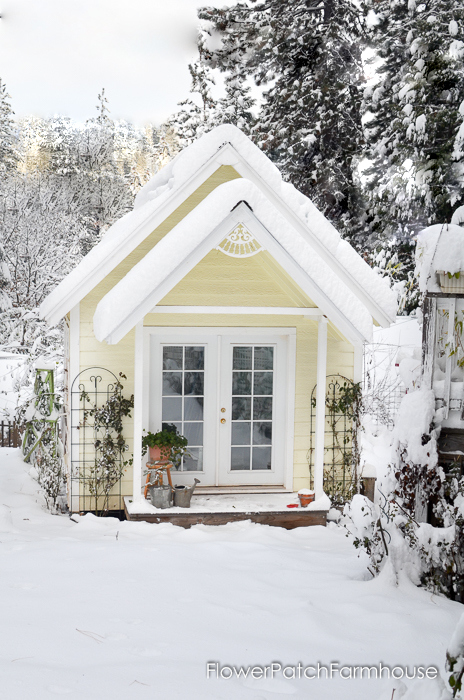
x=223, y=420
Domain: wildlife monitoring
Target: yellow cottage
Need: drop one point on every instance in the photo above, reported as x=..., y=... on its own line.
x=224, y=298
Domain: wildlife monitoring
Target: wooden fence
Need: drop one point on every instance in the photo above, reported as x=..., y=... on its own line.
x=9, y=434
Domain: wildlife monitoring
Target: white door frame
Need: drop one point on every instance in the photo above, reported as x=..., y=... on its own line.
x=201, y=335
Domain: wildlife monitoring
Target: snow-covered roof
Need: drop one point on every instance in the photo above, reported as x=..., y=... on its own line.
x=137, y=293
x=302, y=229
x=440, y=248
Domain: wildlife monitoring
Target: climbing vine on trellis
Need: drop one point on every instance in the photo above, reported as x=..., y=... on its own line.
x=106, y=422
x=342, y=451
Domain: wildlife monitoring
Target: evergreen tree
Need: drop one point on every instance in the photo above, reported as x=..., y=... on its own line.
x=196, y=115
x=307, y=56
x=200, y=115
x=414, y=113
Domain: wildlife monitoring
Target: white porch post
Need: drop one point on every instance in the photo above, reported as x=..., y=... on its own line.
x=320, y=406
x=138, y=408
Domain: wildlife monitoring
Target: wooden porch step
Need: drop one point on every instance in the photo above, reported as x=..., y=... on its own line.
x=288, y=518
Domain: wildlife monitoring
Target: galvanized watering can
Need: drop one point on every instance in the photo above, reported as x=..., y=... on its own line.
x=183, y=494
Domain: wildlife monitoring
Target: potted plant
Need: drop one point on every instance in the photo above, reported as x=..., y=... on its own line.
x=165, y=444
x=306, y=497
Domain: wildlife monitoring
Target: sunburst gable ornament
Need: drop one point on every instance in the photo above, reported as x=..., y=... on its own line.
x=240, y=243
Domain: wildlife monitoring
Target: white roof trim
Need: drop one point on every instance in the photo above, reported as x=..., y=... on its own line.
x=225, y=145
x=200, y=231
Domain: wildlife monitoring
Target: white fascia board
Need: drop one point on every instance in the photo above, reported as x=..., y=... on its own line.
x=246, y=171
x=243, y=214
x=57, y=305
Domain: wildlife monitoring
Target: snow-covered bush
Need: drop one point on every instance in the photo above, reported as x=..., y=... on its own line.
x=455, y=659
x=41, y=444
x=415, y=489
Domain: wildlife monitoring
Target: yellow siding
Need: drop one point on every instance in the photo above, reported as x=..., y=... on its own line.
x=120, y=357
x=222, y=281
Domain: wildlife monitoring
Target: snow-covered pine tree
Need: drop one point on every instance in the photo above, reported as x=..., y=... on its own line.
x=195, y=116
x=413, y=114
x=201, y=114
x=307, y=56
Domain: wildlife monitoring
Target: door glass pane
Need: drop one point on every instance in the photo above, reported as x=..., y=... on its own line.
x=240, y=458
x=172, y=408
x=262, y=383
x=241, y=433
x=262, y=433
x=183, y=397
x=264, y=358
x=241, y=408
x=193, y=408
x=194, y=358
x=194, y=433
x=261, y=458
x=252, y=401
x=172, y=357
x=172, y=383
x=242, y=358
x=193, y=461
x=193, y=383
x=241, y=383
x=262, y=408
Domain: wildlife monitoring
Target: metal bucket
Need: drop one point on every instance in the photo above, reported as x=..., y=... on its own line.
x=161, y=496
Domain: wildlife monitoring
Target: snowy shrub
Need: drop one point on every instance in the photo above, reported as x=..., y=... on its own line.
x=394, y=529
x=455, y=659
x=41, y=444
x=363, y=520
x=51, y=476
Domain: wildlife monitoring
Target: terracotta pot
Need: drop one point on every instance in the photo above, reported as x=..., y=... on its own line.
x=305, y=499
x=158, y=454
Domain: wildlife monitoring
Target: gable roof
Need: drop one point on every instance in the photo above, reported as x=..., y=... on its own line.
x=311, y=233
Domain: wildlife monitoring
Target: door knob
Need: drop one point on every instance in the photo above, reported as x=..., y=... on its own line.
x=223, y=410
x=223, y=420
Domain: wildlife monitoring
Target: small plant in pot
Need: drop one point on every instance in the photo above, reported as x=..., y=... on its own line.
x=166, y=444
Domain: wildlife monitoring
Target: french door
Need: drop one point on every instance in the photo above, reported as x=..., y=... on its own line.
x=227, y=391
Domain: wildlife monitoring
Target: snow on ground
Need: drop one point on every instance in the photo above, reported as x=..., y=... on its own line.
x=108, y=609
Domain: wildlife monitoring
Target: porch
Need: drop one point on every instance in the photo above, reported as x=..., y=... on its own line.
x=211, y=509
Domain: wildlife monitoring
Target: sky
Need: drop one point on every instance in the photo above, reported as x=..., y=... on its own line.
x=56, y=55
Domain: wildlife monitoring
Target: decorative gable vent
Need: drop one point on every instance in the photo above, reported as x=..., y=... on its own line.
x=240, y=243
